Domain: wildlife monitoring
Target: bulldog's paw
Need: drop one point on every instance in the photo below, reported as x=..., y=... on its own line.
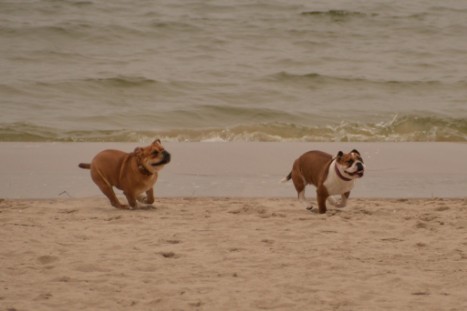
x=146, y=207
x=337, y=203
x=123, y=206
x=341, y=204
x=333, y=201
x=141, y=198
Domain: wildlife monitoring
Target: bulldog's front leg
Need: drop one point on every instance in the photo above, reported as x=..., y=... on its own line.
x=322, y=195
x=333, y=201
x=149, y=196
x=131, y=198
x=342, y=202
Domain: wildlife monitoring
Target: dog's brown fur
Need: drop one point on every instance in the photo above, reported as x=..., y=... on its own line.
x=135, y=173
x=313, y=168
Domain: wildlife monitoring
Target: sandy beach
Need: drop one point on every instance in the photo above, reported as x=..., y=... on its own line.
x=233, y=254
x=224, y=234
x=236, y=91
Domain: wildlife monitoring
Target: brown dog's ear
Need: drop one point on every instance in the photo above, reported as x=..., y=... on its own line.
x=339, y=155
x=138, y=152
x=355, y=151
x=157, y=141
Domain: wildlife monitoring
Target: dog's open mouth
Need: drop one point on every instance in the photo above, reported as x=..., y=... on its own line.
x=357, y=173
x=162, y=162
x=165, y=161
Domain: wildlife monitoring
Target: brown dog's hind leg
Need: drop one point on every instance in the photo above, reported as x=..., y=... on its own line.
x=300, y=185
x=298, y=181
x=110, y=194
x=106, y=189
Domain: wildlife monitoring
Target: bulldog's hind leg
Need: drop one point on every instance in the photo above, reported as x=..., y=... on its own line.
x=106, y=189
x=300, y=185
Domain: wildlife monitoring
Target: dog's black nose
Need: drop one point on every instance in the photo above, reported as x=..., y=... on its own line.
x=359, y=166
x=166, y=156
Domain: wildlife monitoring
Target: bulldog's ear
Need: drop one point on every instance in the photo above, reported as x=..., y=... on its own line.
x=138, y=152
x=340, y=154
x=355, y=151
x=157, y=141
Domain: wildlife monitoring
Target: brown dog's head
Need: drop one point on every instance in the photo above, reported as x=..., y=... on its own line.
x=351, y=164
x=153, y=157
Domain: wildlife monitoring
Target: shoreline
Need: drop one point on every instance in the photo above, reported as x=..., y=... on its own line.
x=237, y=169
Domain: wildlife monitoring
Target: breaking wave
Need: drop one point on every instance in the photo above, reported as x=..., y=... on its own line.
x=398, y=129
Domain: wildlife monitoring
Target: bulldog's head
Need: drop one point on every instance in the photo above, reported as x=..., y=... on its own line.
x=350, y=165
x=152, y=158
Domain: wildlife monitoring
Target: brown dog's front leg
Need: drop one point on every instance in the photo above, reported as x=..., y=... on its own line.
x=131, y=200
x=150, y=196
x=322, y=195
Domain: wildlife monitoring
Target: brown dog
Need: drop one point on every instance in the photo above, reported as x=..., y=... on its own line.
x=134, y=173
x=330, y=176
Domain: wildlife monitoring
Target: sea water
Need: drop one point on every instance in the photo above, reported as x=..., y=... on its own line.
x=256, y=70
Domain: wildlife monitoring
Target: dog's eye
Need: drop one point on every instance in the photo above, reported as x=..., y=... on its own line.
x=350, y=162
x=155, y=153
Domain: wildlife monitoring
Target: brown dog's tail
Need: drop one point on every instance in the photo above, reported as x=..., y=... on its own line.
x=85, y=165
x=287, y=178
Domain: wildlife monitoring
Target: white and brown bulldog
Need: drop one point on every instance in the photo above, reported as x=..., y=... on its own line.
x=331, y=176
x=135, y=173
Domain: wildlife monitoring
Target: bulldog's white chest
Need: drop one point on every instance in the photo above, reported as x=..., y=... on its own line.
x=336, y=185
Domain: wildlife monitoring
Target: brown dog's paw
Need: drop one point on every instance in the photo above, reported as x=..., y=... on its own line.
x=147, y=207
x=141, y=198
x=122, y=206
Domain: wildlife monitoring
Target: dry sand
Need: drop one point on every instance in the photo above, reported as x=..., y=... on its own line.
x=233, y=254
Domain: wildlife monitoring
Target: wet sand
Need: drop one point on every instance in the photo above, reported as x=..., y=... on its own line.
x=394, y=170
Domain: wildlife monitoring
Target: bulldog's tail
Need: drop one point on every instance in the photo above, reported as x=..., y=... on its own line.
x=286, y=178
x=85, y=165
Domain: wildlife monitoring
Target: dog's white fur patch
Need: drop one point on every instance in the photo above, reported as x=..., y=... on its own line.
x=336, y=185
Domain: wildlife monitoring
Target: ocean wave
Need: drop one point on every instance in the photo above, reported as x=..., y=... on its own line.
x=108, y=86
x=398, y=129
x=122, y=81
x=71, y=30
x=322, y=79
x=337, y=14
x=43, y=30
x=105, y=83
